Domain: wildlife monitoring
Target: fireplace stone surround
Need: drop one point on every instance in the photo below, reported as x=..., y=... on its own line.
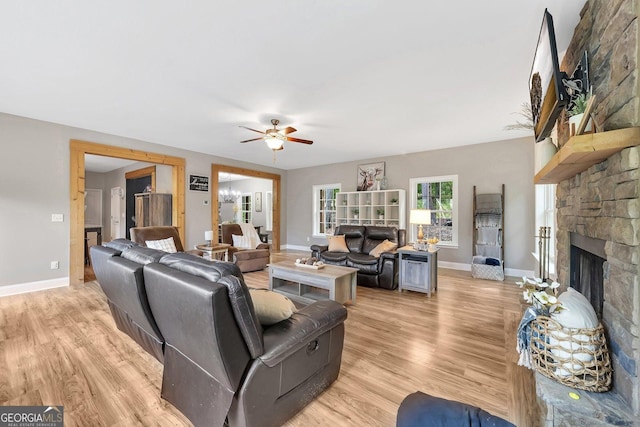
x=603, y=203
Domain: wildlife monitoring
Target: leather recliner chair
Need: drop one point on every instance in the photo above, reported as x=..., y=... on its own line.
x=141, y=234
x=246, y=259
x=220, y=363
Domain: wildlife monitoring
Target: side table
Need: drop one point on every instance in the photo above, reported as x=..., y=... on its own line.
x=218, y=251
x=418, y=270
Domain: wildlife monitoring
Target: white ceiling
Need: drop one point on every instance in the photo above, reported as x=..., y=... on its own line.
x=363, y=79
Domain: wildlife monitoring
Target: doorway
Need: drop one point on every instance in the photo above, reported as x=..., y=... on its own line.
x=137, y=181
x=77, y=150
x=275, y=198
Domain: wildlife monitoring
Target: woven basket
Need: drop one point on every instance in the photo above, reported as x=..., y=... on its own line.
x=577, y=358
x=490, y=272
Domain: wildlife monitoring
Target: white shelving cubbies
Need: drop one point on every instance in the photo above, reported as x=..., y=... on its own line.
x=368, y=204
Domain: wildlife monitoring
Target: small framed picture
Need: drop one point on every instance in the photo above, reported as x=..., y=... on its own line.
x=367, y=175
x=198, y=183
x=258, y=201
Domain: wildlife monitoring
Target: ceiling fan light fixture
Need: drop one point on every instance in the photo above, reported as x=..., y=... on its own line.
x=274, y=143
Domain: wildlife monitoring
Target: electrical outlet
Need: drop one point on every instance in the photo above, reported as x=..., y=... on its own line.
x=57, y=217
x=55, y=265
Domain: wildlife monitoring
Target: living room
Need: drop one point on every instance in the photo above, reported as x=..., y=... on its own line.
x=36, y=184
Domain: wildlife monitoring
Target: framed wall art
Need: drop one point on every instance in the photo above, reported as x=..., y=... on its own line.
x=258, y=201
x=367, y=175
x=198, y=183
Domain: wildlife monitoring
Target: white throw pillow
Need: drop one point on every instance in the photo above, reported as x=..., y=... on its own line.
x=577, y=313
x=241, y=242
x=167, y=245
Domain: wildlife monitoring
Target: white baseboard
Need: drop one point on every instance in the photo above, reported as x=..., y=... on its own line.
x=23, y=288
x=454, y=265
x=518, y=273
x=297, y=248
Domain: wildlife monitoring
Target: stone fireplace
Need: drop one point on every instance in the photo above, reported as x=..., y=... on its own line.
x=598, y=213
x=601, y=206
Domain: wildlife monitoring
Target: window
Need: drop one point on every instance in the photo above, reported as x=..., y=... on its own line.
x=324, y=209
x=545, y=217
x=245, y=208
x=439, y=194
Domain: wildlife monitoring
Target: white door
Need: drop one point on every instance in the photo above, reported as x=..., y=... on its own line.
x=116, y=200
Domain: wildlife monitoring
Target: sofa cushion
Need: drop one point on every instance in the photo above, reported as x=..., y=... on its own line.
x=271, y=307
x=241, y=242
x=364, y=262
x=167, y=245
x=334, y=257
x=337, y=244
x=142, y=255
x=120, y=244
x=375, y=235
x=354, y=236
x=239, y=298
x=385, y=246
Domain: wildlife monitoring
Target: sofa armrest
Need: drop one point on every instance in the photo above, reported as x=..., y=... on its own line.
x=316, y=250
x=389, y=255
x=285, y=338
x=196, y=252
x=264, y=246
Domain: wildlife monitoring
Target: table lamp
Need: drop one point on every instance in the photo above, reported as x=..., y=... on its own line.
x=420, y=217
x=208, y=236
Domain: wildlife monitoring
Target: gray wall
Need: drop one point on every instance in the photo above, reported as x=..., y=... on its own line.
x=34, y=183
x=486, y=166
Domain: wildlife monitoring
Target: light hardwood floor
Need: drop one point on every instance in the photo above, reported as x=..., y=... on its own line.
x=61, y=347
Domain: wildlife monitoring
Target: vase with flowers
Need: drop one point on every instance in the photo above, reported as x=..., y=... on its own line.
x=541, y=294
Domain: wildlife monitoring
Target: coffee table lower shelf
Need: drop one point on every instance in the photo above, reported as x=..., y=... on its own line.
x=308, y=285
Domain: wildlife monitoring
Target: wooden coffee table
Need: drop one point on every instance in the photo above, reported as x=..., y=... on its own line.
x=308, y=285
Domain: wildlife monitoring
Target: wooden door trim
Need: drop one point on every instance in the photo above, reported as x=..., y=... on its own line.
x=275, y=179
x=140, y=173
x=77, y=150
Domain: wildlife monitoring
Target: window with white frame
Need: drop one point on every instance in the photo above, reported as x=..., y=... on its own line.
x=245, y=208
x=545, y=217
x=324, y=209
x=439, y=194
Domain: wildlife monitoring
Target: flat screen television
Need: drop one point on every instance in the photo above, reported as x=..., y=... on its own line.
x=546, y=88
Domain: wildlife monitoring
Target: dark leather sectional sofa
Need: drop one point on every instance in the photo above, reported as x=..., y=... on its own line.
x=197, y=318
x=374, y=272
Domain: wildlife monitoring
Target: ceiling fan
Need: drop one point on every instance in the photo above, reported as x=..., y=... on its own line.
x=275, y=137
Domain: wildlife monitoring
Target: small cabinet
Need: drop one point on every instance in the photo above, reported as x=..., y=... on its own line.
x=418, y=270
x=153, y=209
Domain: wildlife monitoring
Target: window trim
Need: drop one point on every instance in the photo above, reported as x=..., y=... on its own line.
x=413, y=196
x=316, y=208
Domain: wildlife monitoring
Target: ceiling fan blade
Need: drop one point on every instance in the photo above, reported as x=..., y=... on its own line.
x=287, y=130
x=259, y=131
x=304, y=141
x=249, y=140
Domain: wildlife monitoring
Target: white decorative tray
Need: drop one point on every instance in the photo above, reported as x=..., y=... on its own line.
x=314, y=267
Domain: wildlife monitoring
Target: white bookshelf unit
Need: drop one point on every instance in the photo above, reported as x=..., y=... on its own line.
x=368, y=203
